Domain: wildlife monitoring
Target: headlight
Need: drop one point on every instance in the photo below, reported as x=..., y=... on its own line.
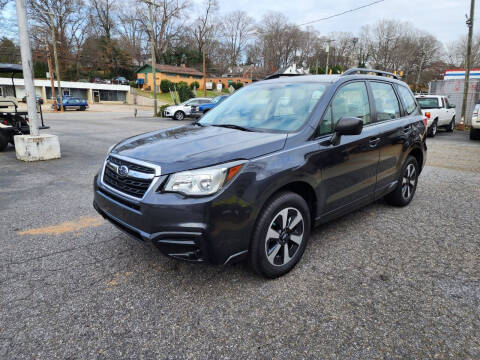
x=203, y=182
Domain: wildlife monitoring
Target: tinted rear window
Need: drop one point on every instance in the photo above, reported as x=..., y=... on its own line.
x=428, y=102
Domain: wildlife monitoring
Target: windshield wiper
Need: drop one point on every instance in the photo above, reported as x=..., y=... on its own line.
x=233, y=126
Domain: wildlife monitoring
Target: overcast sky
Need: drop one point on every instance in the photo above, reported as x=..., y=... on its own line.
x=443, y=18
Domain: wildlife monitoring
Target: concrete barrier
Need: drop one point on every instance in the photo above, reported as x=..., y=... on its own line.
x=36, y=148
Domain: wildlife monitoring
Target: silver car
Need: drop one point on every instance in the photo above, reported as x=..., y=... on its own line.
x=179, y=112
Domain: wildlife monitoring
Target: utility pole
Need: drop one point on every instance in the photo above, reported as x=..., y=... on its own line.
x=328, y=55
x=55, y=55
x=204, y=75
x=154, y=60
x=419, y=75
x=26, y=54
x=50, y=71
x=467, y=61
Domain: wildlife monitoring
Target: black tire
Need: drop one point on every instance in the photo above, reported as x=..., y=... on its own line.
x=432, y=131
x=398, y=197
x=450, y=127
x=179, y=115
x=286, y=249
x=4, y=140
x=474, y=134
x=82, y=108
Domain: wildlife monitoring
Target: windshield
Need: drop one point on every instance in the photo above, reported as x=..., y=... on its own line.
x=280, y=107
x=428, y=103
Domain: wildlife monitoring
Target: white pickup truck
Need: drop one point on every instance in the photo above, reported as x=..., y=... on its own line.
x=438, y=111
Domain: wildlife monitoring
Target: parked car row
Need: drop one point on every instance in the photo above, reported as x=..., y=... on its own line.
x=194, y=107
x=116, y=80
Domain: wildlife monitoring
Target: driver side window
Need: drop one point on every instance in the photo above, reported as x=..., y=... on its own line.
x=350, y=101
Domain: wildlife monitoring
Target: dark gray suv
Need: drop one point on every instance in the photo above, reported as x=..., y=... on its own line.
x=252, y=177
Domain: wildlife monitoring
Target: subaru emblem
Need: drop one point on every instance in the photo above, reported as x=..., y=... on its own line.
x=122, y=171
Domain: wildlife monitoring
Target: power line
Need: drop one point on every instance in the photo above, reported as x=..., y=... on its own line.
x=342, y=13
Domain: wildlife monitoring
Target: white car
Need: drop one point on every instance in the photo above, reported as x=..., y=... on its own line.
x=179, y=112
x=475, y=125
x=438, y=111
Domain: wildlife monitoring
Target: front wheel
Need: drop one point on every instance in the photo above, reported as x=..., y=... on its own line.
x=451, y=126
x=179, y=115
x=407, y=184
x=280, y=235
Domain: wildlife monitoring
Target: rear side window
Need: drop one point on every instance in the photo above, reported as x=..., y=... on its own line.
x=386, y=102
x=407, y=99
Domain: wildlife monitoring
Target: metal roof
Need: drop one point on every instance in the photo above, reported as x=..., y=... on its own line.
x=11, y=68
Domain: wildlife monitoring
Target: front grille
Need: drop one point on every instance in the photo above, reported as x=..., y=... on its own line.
x=131, y=166
x=128, y=185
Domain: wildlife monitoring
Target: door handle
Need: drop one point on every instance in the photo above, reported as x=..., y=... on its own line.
x=374, y=141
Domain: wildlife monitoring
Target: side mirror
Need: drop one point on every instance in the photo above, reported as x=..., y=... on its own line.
x=347, y=126
x=452, y=106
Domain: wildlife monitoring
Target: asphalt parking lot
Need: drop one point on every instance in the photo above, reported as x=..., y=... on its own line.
x=380, y=283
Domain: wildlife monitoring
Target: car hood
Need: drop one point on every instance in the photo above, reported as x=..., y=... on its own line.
x=190, y=147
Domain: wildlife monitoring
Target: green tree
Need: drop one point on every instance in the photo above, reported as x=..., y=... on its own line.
x=9, y=52
x=195, y=85
x=184, y=92
x=166, y=85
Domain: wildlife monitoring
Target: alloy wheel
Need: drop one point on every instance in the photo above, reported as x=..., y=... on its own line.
x=434, y=129
x=409, y=181
x=284, y=236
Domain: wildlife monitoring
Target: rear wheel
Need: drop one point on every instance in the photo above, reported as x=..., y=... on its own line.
x=280, y=235
x=82, y=108
x=179, y=115
x=433, y=129
x=451, y=126
x=407, y=184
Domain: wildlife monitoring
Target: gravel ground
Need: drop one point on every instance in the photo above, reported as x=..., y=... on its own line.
x=380, y=283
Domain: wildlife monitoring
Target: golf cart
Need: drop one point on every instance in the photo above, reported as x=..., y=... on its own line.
x=12, y=121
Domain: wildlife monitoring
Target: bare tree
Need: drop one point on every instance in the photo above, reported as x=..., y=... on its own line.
x=236, y=31
x=104, y=16
x=132, y=37
x=203, y=27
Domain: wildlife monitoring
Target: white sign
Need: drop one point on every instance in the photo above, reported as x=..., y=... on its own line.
x=219, y=87
x=209, y=85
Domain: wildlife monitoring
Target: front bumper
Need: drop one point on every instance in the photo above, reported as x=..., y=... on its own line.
x=196, y=114
x=214, y=229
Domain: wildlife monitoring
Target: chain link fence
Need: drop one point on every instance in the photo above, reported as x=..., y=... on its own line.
x=453, y=90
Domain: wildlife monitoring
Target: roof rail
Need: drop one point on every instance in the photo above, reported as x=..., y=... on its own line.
x=279, y=75
x=376, y=72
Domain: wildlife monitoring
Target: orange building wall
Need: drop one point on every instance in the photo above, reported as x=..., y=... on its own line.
x=148, y=83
